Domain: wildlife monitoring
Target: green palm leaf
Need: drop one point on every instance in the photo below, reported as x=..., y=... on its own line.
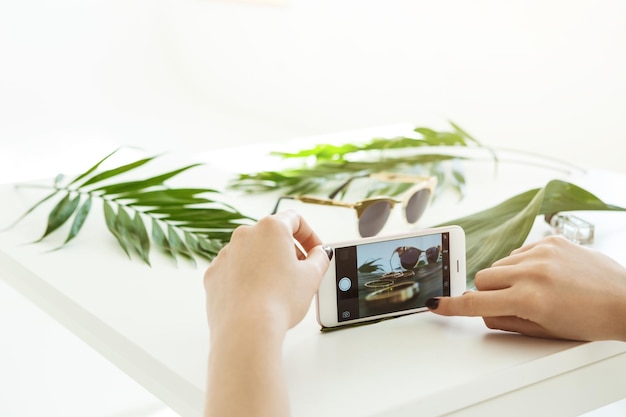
x=61, y=213
x=79, y=219
x=132, y=186
x=160, y=239
x=141, y=213
x=337, y=162
x=189, y=223
x=114, y=172
x=33, y=208
x=493, y=233
x=90, y=170
x=167, y=197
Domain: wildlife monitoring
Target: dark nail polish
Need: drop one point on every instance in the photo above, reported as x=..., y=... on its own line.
x=329, y=251
x=432, y=303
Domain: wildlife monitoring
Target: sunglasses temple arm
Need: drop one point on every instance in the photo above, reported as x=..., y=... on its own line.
x=344, y=185
x=391, y=259
x=285, y=197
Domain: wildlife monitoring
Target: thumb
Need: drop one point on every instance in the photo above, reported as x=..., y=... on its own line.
x=318, y=260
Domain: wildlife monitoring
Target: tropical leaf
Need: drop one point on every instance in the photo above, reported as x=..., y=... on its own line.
x=338, y=162
x=131, y=186
x=177, y=244
x=141, y=234
x=370, y=266
x=79, y=219
x=167, y=197
x=89, y=171
x=193, y=244
x=184, y=222
x=61, y=213
x=493, y=233
x=33, y=208
x=160, y=239
x=189, y=223
x=114, y=172
x=110, y=217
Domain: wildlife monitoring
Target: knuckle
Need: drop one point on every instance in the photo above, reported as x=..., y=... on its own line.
x=470, y=306
x=270, y=223
x=479, y=278
x=238, y=233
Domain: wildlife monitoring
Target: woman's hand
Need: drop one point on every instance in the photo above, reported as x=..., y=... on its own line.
x=551, y=288
x=258, y=287
x=261, y=276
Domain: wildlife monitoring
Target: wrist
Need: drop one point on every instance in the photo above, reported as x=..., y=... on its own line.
x=245, y=362
x=248, y=328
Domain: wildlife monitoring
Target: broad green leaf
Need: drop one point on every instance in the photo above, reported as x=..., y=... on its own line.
x=61, y=213
x=493, y=233
x=79, y=219
x=116, y=171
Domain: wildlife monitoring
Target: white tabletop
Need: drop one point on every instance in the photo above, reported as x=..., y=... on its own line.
x=150, y=321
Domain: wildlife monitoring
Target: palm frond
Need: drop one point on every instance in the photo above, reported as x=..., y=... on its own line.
x=181, y=222
x=337, y=162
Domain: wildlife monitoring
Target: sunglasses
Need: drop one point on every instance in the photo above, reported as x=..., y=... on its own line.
x=373, y=213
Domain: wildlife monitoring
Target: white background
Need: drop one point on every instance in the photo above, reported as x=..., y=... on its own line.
x=546, y=76
x=79, y=78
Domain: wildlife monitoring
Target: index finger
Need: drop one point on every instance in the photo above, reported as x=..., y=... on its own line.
x=301, y=230
x=475, y=304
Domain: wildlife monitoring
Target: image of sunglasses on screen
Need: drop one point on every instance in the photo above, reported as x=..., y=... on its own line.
x=372, y=213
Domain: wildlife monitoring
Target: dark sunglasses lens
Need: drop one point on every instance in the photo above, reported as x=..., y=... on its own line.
x=374, y=218
x=416, y=205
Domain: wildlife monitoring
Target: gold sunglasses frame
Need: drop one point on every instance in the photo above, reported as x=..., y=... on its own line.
x=422, y=182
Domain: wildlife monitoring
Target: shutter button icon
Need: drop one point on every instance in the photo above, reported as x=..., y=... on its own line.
x=345, y=283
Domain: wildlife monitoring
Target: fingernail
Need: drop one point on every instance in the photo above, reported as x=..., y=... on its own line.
x=432, y=303
x=329, y=252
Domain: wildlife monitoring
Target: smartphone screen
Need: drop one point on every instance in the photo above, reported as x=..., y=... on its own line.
x=391, y=276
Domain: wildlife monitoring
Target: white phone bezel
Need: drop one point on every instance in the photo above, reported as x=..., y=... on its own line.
x=326, y=297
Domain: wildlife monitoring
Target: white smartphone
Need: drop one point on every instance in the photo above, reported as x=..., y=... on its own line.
x=376, y=277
